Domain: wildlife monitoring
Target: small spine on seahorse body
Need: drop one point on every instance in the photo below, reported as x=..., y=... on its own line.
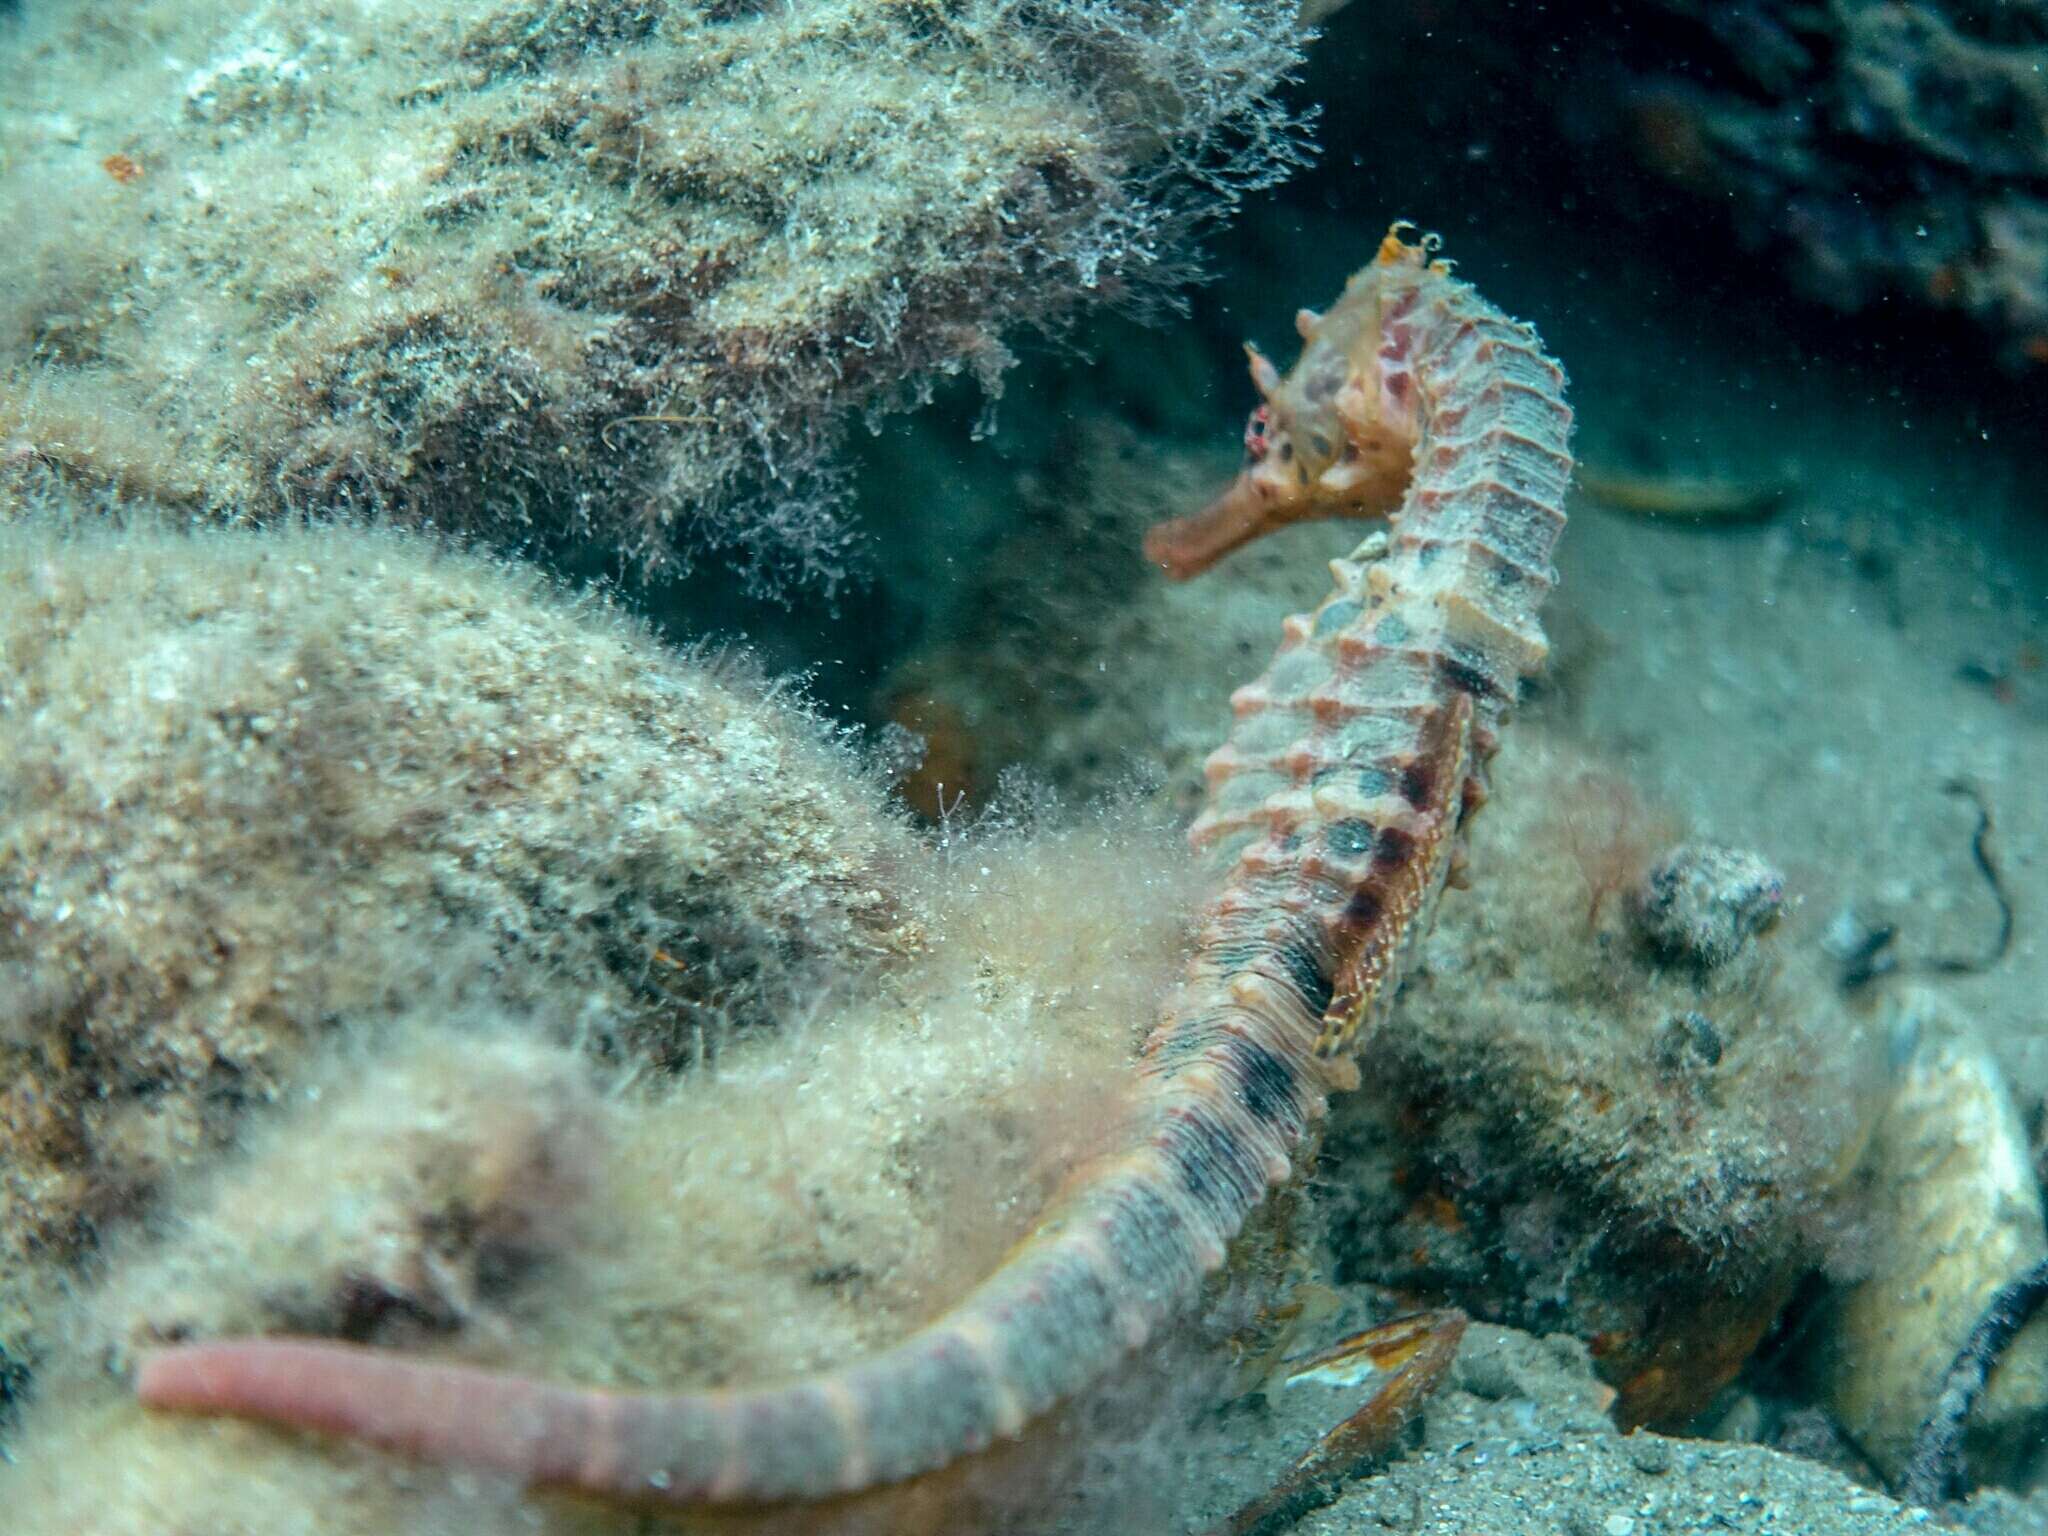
x=1336, y=799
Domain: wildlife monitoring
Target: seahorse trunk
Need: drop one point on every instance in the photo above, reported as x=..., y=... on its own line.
x=1336, y=800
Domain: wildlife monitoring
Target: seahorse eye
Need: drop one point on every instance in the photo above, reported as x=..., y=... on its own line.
x=1255, y=434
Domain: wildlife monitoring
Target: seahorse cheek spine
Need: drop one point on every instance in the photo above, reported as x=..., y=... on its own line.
x=1336, y=803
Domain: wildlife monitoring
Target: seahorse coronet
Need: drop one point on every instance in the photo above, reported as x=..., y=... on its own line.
x=1333, y=808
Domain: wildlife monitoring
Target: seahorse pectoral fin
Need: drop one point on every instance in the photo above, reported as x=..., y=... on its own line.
x=1346, y=1021
x=1361, y=487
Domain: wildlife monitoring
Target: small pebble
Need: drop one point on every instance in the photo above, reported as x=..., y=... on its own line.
x=1647, y=1453
x=1702, y=902
x=1394, y=1509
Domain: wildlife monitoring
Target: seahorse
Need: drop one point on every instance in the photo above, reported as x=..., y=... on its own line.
x=1335, y=805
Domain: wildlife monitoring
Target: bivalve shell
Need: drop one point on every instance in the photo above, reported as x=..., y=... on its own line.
x=1957, y=1212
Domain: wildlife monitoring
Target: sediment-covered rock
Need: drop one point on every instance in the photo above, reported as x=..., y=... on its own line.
x=569, y=269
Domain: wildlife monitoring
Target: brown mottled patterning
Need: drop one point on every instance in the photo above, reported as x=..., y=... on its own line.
x=1337, y=800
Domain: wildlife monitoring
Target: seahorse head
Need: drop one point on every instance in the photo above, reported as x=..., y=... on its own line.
x=1335, y=436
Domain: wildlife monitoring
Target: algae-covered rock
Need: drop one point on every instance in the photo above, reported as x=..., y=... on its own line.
x=1577, y=1130
x=398, y=948
x=1703, y=902
x=258, y=790
x=1881, y=153
x=558, y=266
